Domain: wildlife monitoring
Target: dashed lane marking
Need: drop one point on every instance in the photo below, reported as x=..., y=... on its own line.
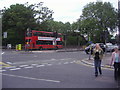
x=47, y=80
x=49, y=64
x=2, y=70
x=15, y=69
x=40, y=65
x=71, y=62
x=34, y=64
x=23, y=65
x=10, y=67
x=29, y=67
x=2, y=53
x=9, y=62
x=66, y=63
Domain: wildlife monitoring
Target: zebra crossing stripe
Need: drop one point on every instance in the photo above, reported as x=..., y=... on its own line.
x=15, y=69
x=2, y=70
x=40, y=65
x=29, y=67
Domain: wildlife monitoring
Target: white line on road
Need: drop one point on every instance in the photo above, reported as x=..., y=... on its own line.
x=9, y=62
x=34, y=64
x=23, y=65
x=66, y=63
x=29, y=67
x=10, y=67
x=40, y=65
x=71, y=62
x=2, y=53
x=48, y=80
x=49, y=64
x=2, y=70
x=15, y=69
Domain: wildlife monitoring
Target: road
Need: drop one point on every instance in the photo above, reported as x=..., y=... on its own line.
x=51, y=69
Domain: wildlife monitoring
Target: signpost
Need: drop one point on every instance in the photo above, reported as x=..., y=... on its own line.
x=5, y=35
x=119, y=22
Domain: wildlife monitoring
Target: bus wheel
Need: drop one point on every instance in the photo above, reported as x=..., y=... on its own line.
x=40, y=48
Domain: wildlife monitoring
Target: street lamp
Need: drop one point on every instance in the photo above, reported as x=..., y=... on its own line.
x=119, y=22
x=0, y=28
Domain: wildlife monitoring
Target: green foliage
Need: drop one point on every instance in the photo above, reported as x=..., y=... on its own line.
x=97, y=18
x=19, y=17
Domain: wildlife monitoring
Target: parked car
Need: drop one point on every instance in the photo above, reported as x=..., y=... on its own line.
x=87, y=49
x=110, y=48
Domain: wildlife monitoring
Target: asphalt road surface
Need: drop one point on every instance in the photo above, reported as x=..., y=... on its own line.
x=51, y=69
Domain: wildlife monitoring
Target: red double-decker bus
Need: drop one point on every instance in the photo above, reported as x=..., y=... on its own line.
x=43, y=40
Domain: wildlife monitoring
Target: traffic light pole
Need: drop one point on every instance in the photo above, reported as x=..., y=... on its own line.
x=119, y=22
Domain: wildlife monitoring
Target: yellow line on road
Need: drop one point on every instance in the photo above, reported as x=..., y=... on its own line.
x=79, y=62
x=2, y=64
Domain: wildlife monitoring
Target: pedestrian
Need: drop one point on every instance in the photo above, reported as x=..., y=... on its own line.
x=115, y=61
x=98, y=56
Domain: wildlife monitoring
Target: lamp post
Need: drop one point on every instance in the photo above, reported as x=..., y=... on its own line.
x=119, y=22
x=1, y=27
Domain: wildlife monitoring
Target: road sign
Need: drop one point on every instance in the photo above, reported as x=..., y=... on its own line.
x=5, y=35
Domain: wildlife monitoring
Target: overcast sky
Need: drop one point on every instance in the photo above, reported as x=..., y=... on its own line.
x=64, y=10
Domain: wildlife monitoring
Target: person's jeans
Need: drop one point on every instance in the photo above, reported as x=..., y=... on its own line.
x=117, y=70
x=97, y=64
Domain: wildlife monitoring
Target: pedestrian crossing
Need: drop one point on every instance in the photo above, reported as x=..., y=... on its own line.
x=2, y=64
x=15, y=67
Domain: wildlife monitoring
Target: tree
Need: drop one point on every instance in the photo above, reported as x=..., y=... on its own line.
x=41, y=13
x=16, y=20
x=98, y=18
x=19, y=17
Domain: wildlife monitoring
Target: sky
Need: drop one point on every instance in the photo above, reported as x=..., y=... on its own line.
x=64, y=10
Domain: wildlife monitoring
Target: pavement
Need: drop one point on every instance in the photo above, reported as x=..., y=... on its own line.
x=105, y=63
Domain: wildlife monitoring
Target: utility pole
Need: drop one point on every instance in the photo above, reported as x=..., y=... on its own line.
x=119, y=22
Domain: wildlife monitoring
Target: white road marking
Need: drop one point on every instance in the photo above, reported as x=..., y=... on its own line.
x=79, y=62
x=2, y=70
x=29, y=67
x=2, y=53
x=9, y=62
x=49, y=64
x=53, y=59
x=34, y=64
x=71, y=62
x=40, y=65
x=47, y=80
x=74, y=61
x=15, y=69
x=10, y=67
x=66, y=63
x=23, y=65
